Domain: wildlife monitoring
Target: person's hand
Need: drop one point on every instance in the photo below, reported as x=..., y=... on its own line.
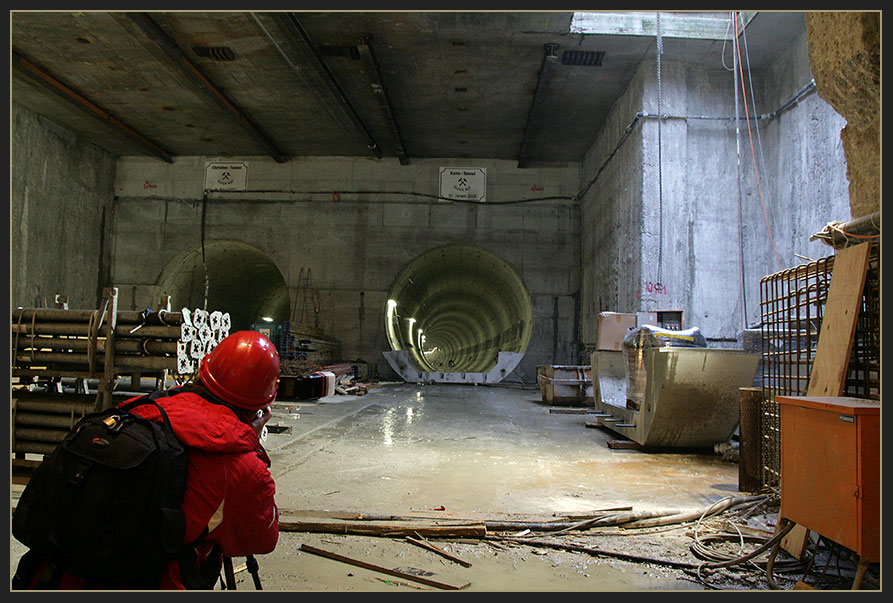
x=258, y=422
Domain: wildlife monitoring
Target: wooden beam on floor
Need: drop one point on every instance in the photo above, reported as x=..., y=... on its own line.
x=427, y=545
x=378, y=568
x=390, y=530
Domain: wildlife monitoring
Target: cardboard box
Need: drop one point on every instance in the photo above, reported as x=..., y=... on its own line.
x=612, y=328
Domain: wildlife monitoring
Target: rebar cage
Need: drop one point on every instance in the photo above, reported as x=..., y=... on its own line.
x=792, y=302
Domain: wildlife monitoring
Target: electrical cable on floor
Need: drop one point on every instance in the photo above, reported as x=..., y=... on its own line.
x=835, y=554
x=716, y=560
x=767, y=544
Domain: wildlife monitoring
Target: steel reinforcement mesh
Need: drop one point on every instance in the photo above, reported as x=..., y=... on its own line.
x=792, y=302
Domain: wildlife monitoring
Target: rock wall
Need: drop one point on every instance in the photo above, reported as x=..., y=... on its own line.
x=844, y=53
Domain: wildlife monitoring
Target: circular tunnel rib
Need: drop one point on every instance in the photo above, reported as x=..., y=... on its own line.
x=454, y=308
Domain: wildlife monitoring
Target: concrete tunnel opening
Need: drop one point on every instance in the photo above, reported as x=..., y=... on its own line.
x=457, y=313
x=241, y=280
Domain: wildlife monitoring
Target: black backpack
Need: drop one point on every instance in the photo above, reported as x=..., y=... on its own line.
x=106, y=504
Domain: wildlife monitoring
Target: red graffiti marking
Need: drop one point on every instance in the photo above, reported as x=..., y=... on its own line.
x=655, y=288
x=149, y=185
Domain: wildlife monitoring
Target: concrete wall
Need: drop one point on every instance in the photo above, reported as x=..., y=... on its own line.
x=806, y=180
x=845, y=55
x=612, y=215
x=677, y=220
x=60, y=196
x=353, y=244
x=576, y=259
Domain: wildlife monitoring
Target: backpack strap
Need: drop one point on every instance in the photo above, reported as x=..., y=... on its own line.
x=195, y=575
x=174, y=524
x=35, y=573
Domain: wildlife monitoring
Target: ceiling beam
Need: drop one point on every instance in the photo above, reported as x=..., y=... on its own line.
x=75, y=98
x=179, y=59
x=375, y=80
x=550, y=57
x=293, y=26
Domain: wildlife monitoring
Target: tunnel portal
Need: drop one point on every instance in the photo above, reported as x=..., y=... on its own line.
x=457, y=313
x=241, y=280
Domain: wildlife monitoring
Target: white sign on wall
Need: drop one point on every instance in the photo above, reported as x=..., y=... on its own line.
x=463, y=183
x=226, y=175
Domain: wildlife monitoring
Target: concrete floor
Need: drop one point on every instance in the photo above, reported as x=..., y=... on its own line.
x=473, y=452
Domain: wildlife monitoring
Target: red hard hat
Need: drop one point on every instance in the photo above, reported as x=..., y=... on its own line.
x=243, y=370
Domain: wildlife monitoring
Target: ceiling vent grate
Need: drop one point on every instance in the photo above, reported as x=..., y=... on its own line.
x=582, y=58
x=217, y=53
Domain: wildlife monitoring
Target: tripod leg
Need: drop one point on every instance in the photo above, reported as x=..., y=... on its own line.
x=229, y=574
x=251, y=563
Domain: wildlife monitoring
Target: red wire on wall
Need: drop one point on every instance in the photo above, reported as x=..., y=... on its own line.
x=752, y=151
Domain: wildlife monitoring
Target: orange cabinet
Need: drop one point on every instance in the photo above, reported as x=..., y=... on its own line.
x=830, y=469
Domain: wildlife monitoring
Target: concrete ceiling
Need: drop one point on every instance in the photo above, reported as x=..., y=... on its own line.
x=403, y=85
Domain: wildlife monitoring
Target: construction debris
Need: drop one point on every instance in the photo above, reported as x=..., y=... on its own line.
x=377, y=568
x=427, y=545
x=385, y=530
x=334, y=522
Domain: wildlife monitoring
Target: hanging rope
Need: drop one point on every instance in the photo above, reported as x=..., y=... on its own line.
x=660, y=187
x=750, y=133
x=741, y=277
x=204, y=260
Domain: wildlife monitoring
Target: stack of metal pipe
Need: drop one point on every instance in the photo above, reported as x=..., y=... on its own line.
x=42, y=420
x=53, y=344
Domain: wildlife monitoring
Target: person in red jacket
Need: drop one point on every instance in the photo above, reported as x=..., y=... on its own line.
x=229, y=501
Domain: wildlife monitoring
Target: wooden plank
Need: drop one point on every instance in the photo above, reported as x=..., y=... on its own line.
x=795, y=541
x=624, y=445
x=389, y=530
x=427, y=545
x=835, y=344
x=378, y=568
